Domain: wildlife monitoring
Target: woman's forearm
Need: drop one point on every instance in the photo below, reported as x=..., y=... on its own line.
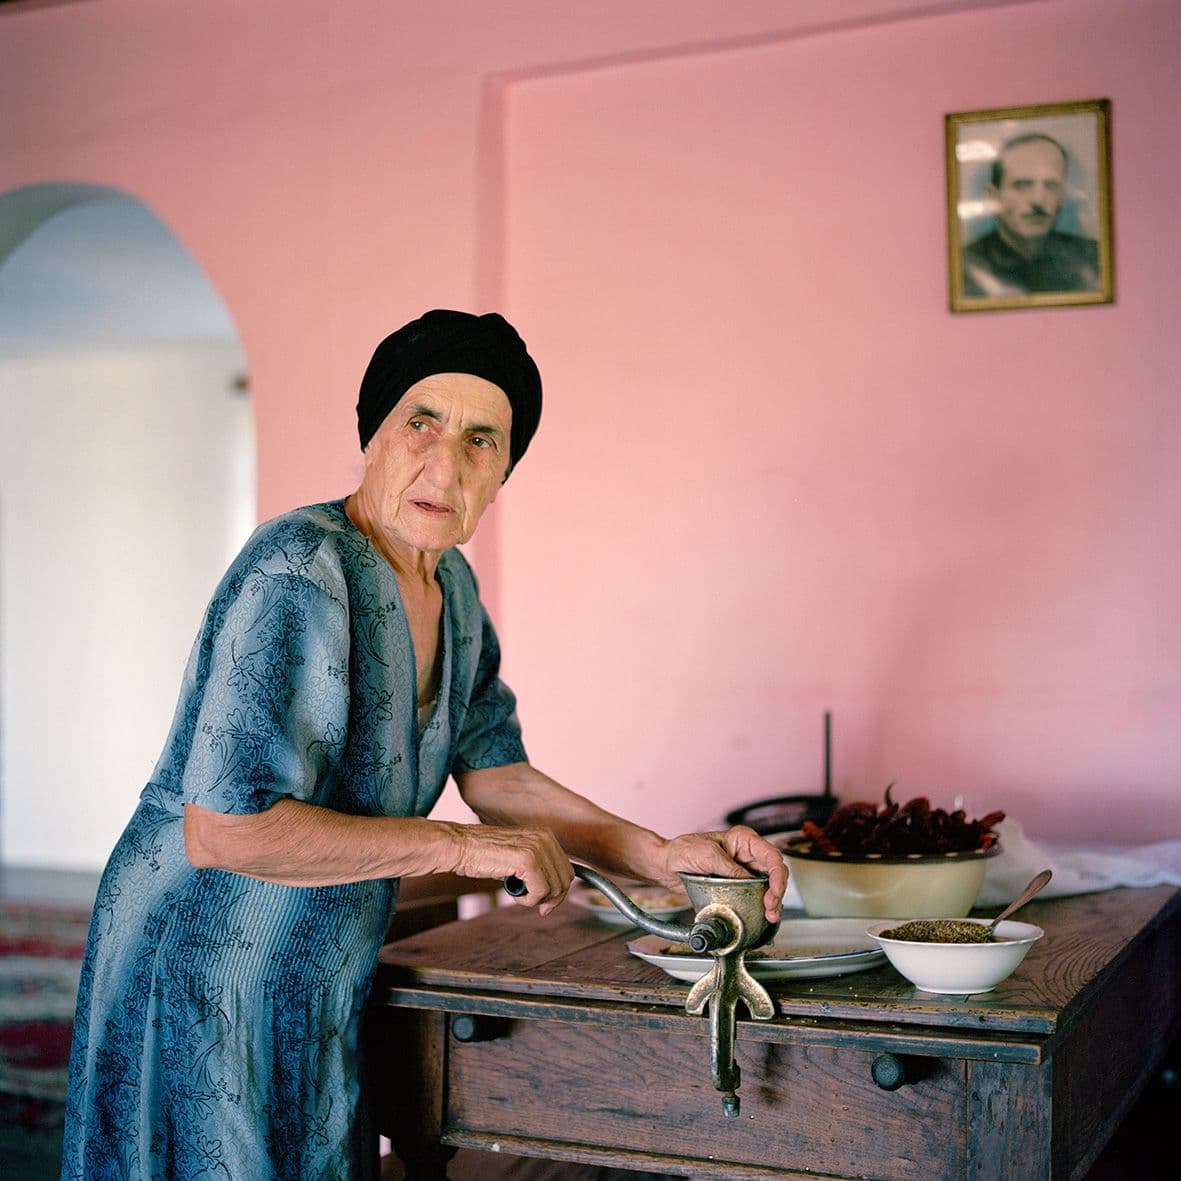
x=521, y=794
x=297, y=844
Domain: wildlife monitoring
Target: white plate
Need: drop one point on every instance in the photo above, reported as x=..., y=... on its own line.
x=657, y=901
x=802, y=948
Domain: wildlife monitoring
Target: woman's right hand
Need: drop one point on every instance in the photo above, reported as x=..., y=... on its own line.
x=531, y=854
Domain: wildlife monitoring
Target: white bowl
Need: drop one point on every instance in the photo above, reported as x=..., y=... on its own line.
x=925, y=886
x=959, y=968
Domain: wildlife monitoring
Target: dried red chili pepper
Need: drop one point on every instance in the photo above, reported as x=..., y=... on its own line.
x=861, y=828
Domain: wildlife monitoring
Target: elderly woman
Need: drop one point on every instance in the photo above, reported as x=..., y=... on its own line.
x=344, y=669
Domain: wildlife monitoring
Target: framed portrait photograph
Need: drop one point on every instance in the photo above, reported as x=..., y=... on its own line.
x=1029, y=206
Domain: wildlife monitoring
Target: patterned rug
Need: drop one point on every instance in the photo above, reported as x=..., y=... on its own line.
x=40, y=957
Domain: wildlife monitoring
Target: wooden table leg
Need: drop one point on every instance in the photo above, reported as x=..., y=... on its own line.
x=405, y=1050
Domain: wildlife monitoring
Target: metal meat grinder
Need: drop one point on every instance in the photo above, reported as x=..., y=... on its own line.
x=729, y=921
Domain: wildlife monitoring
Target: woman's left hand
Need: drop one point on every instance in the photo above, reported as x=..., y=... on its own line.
x=737, y=852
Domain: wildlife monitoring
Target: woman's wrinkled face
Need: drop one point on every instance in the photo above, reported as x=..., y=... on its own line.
x=438, y=460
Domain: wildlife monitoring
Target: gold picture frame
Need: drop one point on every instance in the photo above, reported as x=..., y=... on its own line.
x=1038, y=234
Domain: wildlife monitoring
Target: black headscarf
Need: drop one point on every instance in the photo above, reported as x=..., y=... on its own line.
x=443, y=341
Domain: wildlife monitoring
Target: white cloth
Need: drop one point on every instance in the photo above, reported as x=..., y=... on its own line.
x=1078, y=868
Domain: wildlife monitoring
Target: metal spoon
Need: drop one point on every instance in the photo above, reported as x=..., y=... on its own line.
x=1034, y=886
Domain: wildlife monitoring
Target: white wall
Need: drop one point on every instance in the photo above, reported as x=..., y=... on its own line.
x=126, y=483
x=127, y=480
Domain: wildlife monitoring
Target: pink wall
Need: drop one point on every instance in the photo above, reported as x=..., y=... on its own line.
x=779, y=476
x=775, y=475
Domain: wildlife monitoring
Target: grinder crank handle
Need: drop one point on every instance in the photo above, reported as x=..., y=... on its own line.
x=700, y=940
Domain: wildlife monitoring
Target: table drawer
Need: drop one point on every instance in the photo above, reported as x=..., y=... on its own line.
x=804, y=1107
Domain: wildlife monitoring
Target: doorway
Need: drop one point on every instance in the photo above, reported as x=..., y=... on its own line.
x=127, y=482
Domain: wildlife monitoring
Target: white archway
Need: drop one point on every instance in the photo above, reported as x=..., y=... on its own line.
x=126, y=483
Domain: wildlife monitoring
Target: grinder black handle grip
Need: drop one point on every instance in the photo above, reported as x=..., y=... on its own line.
x=515, y=887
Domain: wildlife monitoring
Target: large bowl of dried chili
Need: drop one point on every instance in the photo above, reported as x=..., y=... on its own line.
x=891, y=860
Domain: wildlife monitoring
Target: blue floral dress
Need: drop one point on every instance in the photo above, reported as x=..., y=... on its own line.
x=217, y=1026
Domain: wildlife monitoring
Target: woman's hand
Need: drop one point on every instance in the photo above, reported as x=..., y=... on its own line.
x=737, y=852
x=531, y=854
x=519, y=794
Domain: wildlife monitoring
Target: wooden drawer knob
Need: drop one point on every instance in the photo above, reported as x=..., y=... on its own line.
x=890, y=1072
x=474, y=1027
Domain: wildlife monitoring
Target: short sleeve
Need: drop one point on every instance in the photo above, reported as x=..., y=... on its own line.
x=274, y=702
x=491, y=734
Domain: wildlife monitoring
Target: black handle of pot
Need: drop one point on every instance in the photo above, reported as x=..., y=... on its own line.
x=515, y=887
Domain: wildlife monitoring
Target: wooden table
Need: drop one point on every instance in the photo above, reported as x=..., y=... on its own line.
x=589, y=1055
